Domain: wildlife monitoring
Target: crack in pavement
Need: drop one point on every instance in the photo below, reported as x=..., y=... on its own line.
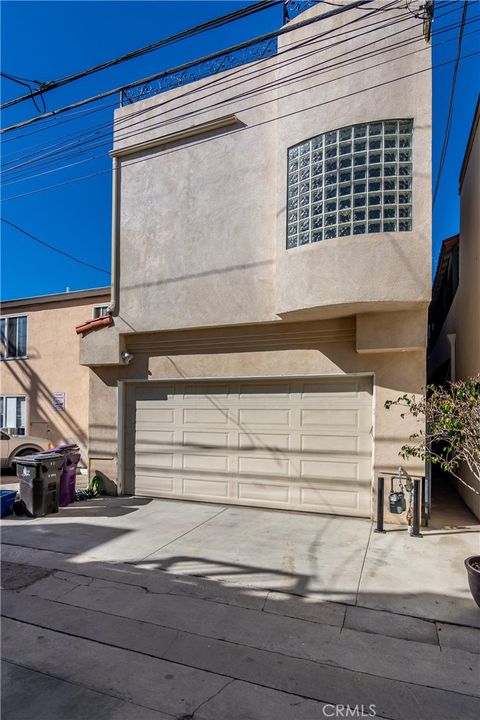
x=204, y=522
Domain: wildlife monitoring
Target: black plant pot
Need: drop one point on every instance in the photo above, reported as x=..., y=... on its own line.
x=473, y=571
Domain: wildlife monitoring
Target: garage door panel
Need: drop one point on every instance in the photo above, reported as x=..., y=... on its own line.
x=154, y=437
x=264, y=441
x=325, y=469
x=259, y=416
x=155, y=485
x=154, y=459
x=199, y=487
x=195, y=391
x=266, y=390
x=263, y=466
x=206, y=461
x=263, y=492
x=343, y=444
x=329, y=501
x=303, y=444
x=151, y=416
x=199, y=439
x=205, y=415
x=145, y=396
x=327, y=416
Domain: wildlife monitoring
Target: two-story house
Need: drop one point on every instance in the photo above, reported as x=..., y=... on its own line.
x=271, y=266
x=44, y=389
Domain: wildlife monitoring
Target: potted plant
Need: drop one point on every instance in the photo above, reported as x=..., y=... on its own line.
x=473, y=571
x=449, y=437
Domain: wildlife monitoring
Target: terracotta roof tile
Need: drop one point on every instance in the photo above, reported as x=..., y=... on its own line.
x=94, y=324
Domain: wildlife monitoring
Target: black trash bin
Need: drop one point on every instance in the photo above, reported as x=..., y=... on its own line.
x=40, y=482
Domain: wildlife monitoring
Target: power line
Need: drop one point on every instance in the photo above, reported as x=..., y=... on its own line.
x=48, y=126
x=210, y=24
x=287, y=79
x=74, y=116
x=28, y=84
x=448, y=125
x=245, y=71
x=51, y=247
x=92, y=134
x=345, y=60
x=192, y=63
x=243, y=129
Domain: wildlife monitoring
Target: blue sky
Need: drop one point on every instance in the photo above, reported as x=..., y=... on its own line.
x=47, y=40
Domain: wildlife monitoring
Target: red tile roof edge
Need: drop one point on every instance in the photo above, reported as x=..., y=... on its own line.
x=94, y=324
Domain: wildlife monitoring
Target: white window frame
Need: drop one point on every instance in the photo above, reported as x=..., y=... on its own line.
x=4, y=398
x=8, y=318
x=96, y=314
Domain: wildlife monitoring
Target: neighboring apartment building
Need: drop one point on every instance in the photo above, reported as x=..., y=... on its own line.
x=44, y=389
x=271, y=265
x=455, y=312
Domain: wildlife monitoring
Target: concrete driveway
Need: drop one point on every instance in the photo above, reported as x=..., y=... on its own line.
x=136, y=608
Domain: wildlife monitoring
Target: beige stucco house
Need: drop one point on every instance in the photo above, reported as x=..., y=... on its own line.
x=44, y=389
x=455, y=343
x=271, y=265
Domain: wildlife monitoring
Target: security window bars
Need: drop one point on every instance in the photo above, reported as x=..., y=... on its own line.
x=350, y=181
x=13, y=337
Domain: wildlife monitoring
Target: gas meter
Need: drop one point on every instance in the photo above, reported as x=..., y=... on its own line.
x=396, y=500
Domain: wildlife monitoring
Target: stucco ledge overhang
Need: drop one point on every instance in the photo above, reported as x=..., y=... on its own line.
x=193, y=131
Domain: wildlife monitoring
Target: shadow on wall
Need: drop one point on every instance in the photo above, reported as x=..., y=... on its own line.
x=38, y=394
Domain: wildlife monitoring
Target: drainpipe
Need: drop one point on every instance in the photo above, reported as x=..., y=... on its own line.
x=113, y=307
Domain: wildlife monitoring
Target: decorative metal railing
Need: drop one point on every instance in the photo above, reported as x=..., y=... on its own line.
x=257, y=51
x=227, y=61
x=292, y=8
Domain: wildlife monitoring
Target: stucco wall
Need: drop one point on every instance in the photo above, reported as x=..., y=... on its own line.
x=340, y=89
x=52, y=366
x=468, y=300
x=307, y=348
x=468, y=294
x=202, y=220
x=202, y=244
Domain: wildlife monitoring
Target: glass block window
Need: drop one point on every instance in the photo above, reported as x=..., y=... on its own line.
x=350, y=181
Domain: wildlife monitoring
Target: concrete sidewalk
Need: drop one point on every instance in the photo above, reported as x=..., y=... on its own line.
x=131, y=608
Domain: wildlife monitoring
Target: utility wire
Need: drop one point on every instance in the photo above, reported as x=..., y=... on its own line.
x=92, y=133
x=27, y=84
x=245, y=71
x=51, y=247
x=70, y=153
x=243, y=129
x=19, y=80
x=185, y=66
x=448, y=125
x=210, y=24
x=75, y=116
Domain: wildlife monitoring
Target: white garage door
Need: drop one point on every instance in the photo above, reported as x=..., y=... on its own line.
x=298, y=444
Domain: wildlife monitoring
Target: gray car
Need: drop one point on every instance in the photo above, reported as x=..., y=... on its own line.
x=14, y=447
